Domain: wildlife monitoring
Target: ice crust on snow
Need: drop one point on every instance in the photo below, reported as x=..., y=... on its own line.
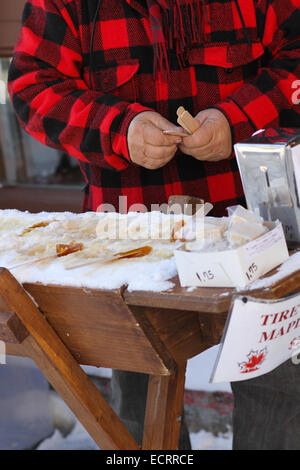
x=152, y=272
x=21, y=244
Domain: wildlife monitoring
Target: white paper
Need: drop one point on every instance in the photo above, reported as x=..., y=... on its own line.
x=233, y=268
x=258, y=337
x=258, y=246
x=207, y=273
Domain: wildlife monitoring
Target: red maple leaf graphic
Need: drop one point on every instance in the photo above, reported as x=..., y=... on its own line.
x=254, y=361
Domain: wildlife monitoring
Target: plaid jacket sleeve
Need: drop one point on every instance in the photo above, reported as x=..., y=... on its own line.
x=272, y=99
x=53, y=103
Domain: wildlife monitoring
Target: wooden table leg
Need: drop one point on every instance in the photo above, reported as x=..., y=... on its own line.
x=45, y=347
x=164, y=410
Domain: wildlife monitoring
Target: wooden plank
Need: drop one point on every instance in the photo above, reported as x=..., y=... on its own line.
x=210, y=299
x=12, y=329
x=37, y=199
x=110, y=332
x=184, y=334
x=212, y=327
x=204, y=299
x=13, y=349
x=63, y=372
x=81, y=395
x=179, y=330
x=155, y=338
x=164, y=411
x=282, y=288
x=100, y=330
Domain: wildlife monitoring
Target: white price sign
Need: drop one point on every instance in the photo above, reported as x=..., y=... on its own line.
x=205, y=275
x=258, y=337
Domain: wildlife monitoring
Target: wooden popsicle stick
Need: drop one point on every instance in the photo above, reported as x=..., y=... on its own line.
x=136, y=253
x=27, y=264
x=174, y=132
x=186, y=120
x=62, y=250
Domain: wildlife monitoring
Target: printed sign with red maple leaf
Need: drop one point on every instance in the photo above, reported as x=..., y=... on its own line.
x=255, y=359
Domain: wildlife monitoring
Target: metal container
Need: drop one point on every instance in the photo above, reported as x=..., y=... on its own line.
x=269, y=165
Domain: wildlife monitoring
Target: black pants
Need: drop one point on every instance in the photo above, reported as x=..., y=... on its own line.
x=129, y=394
x=266, y=413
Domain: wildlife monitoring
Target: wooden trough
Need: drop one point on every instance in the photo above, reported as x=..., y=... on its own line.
x=61, y=328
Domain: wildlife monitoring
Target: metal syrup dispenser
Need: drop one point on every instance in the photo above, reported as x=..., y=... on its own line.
x=269, y=165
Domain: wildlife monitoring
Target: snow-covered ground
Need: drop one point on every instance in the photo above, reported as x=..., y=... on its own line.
x=197, y=378
x=78, y=439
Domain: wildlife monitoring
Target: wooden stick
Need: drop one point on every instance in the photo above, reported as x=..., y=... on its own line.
x=136, y=253
x=186, y=120
x=32, y=263
x=174, y=132
x=62, y=250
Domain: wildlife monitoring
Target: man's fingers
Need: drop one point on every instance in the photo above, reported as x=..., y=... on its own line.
x=155, y=137
x=201, y=138
x=176, y=130
x=154, y=164
x=148, y=146
x=202, y=153
x=160, y=122
x=204, y=149
x=152, y=151
x=212, y=141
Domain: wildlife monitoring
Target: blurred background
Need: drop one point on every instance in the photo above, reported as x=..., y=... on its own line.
x=36, y=178
x=32, y=177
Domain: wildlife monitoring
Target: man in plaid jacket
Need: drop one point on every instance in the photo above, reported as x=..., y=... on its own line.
x=101, y=80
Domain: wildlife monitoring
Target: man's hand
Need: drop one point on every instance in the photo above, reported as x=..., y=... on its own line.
x=212, y=141
x=148, y=146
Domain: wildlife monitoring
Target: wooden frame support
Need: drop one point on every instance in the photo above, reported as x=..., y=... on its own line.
x=22, y=323
x=154, y=334
x=164, y=410
x=65, y=374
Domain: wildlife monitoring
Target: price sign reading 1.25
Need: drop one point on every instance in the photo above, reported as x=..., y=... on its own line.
x=205, y=276
x=251, y=271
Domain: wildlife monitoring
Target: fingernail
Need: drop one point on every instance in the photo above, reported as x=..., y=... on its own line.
x=178, y=141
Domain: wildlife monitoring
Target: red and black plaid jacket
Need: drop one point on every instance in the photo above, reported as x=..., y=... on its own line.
x=252, y=83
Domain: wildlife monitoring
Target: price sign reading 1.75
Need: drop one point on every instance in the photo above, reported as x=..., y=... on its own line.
x=251, y=270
